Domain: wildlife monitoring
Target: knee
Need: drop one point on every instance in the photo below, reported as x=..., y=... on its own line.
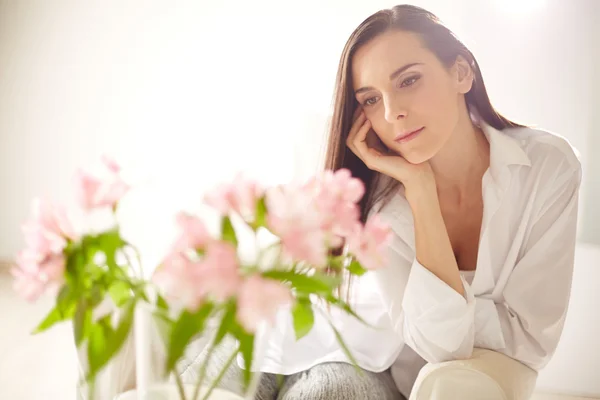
x=456, y=383
x=330, y=382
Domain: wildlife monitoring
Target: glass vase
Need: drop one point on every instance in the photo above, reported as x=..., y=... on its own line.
x=203, y=370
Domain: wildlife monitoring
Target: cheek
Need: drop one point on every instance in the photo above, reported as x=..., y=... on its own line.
x=438, y=105
x=433, y=100
x=382, y=128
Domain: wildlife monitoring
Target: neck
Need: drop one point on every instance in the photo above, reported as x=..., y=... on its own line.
x=459, y=166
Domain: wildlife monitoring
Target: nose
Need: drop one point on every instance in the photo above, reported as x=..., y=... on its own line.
x=394, y=109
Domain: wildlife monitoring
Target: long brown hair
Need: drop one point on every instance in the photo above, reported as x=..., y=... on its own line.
x=439, y=40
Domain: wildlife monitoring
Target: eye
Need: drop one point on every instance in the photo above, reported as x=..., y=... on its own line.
x=410, y=81
x=371, y=101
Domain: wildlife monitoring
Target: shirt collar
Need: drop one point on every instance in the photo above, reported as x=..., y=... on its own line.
x=505, y=150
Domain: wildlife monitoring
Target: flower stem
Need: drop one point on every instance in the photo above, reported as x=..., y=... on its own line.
x=91, y=389
x=179, y=382
x=202, y=373
x=221, y=374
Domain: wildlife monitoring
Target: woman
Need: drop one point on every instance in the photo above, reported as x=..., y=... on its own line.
x=484, y=213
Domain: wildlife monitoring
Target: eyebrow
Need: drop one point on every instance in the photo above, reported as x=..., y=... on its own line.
x=392, y=76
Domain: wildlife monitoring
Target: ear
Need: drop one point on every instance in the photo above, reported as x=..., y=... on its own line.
x=463, y=75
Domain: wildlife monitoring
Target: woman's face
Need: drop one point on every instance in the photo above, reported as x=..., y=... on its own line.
x=410, y=97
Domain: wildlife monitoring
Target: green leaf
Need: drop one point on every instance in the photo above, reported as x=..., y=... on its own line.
x=336, y=262
x=163, y=323
x=97, y=294
x=66, y=302
x=123, y=329
x=75, y=261
x=104, y=341
x=82, y=322
x=185, y=328
x=120, y=292
x=356, y=269
x=228, y=232
x=280, y=379
x=110, y=239
x=53, y=317
x=65, y=295
x=246, y=342
x=110, y=242
x=161, y=303
x=345, y=348
x=346, y=307
x=318, y=283
x=260, y=218
x=303, y=316
x=226, y=323
x=97, y=347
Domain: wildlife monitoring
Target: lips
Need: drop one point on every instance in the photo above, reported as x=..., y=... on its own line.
x=406, y=136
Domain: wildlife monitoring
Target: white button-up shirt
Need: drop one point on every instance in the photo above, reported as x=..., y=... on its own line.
x=515, y=302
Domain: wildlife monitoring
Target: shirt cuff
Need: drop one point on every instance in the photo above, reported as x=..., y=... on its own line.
x=435, y=309
x=425, y=293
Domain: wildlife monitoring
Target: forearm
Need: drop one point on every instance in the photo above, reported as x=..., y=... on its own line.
x=433, y=246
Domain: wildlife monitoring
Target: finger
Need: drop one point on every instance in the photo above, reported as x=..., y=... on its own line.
x=362, y=132
x=359, y=141
x=355, y=128
x=375, y=153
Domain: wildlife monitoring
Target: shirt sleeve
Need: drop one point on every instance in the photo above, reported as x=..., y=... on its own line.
x=442, y=325
x=537, y=293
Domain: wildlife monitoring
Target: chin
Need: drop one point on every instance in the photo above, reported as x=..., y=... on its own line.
x=416, y=157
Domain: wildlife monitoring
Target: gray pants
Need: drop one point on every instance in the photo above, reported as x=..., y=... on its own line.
x=329, y=381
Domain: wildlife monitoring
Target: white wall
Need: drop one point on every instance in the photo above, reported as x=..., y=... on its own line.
x=575, y=365
x=188, y=85
x=184, y=93
x=591, y=225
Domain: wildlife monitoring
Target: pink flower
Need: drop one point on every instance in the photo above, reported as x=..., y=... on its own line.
x=240, y=196
x=341, y=186
x=177, y=277
x=53, y=218
x=259, y=300
x=41, y=265
x=34, y=277
x=369, y=243
x=48, y=229
x=335, y=197
x=339, y=220
x=93, y=192
x=42, y=241
x=194, y=234
x=219, y=274
x=216, y=277
x=111, y=164
x=292, y=216
x=309, y=246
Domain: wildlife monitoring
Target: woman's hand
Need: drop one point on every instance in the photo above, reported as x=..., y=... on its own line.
x=377, y=158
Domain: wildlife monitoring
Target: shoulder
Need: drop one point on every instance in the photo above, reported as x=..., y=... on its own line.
x=552, y=156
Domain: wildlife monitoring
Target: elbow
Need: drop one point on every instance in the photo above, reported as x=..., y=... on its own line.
x=439, y=348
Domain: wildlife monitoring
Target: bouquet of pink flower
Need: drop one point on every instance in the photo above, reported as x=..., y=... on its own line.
x=203, y=278
x=82, y=269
